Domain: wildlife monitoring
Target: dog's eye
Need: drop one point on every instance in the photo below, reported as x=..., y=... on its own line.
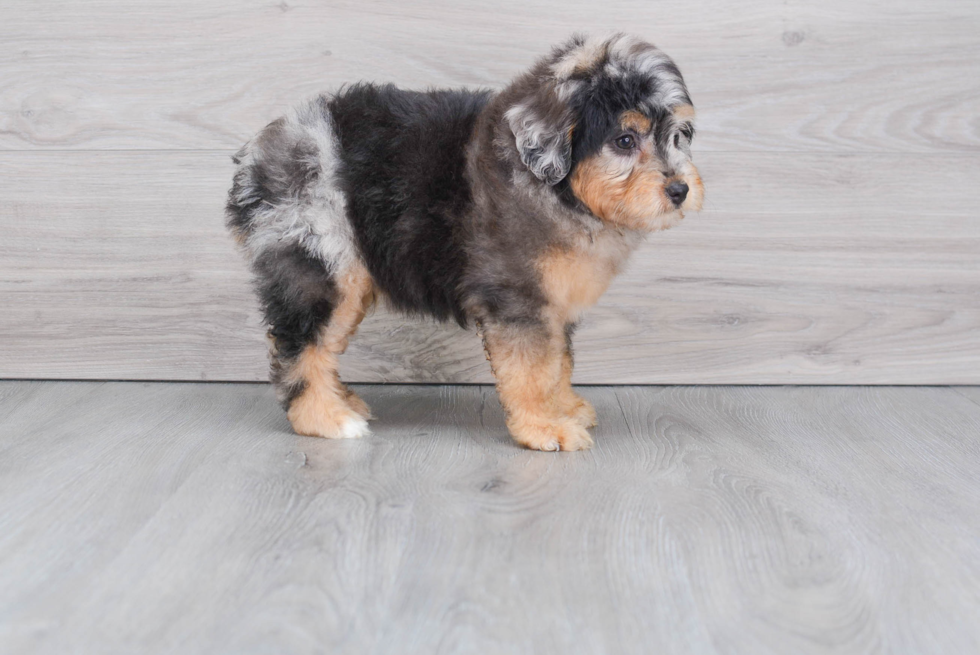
x=626, y=142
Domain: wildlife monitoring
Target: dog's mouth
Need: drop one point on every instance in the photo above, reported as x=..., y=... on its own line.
x=665, y=221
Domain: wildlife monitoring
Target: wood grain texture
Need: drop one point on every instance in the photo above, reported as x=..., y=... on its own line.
x=766, y=75
x=839, y=143
x=846, y=275
x=186, y=518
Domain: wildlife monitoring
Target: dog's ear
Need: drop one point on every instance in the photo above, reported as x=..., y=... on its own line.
x=543, y=134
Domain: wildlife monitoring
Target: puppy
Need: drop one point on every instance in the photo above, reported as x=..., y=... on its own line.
x=508, y=211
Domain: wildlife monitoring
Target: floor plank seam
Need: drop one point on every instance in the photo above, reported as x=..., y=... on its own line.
x=963, y=395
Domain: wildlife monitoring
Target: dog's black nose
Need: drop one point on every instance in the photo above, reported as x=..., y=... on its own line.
x=677, y=192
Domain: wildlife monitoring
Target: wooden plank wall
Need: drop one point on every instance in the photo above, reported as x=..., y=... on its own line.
x=839, y=142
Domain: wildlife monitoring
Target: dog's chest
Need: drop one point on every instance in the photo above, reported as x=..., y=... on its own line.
x=574, y=278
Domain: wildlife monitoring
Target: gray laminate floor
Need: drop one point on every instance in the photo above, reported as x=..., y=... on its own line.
x=186, y=518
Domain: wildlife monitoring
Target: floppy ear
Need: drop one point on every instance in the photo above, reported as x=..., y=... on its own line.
x=544, y=141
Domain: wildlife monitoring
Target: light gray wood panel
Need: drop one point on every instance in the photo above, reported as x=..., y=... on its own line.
x=766, y=75
x=802, y=268
x=186, y=518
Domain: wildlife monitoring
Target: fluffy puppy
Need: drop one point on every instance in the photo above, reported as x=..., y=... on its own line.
x=507, y=211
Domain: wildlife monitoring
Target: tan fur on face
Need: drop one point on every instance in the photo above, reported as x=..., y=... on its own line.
x=634, y=120
x=695, y=194
x=628, y=190
x=683, y=113
x=327, y=408
x=621, y=193
x=582, y=58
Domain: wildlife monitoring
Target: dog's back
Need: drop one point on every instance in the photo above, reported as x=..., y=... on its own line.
x=403, y=170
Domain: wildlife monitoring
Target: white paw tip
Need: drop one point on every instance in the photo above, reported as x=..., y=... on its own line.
x=354, y=428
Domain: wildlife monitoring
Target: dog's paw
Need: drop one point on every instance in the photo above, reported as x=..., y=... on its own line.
x=566, y=434
x=582, y=411
x=351, y=427
x=354, y=427
x=332, y=420
x=359, y=406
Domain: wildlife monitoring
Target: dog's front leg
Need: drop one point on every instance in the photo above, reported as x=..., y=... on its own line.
x=528, y=364
x=572, y=404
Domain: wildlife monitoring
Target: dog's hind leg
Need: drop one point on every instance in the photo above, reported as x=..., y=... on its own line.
x=312, y=313
x=326, y=407
x=358, y=292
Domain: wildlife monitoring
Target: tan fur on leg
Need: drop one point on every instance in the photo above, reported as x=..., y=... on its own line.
x=327, y=408
x=572, y=404
x=528, y=366
x=573, y=279
x=359, y=406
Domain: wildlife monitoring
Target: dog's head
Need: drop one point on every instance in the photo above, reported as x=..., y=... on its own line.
x=609, y=121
